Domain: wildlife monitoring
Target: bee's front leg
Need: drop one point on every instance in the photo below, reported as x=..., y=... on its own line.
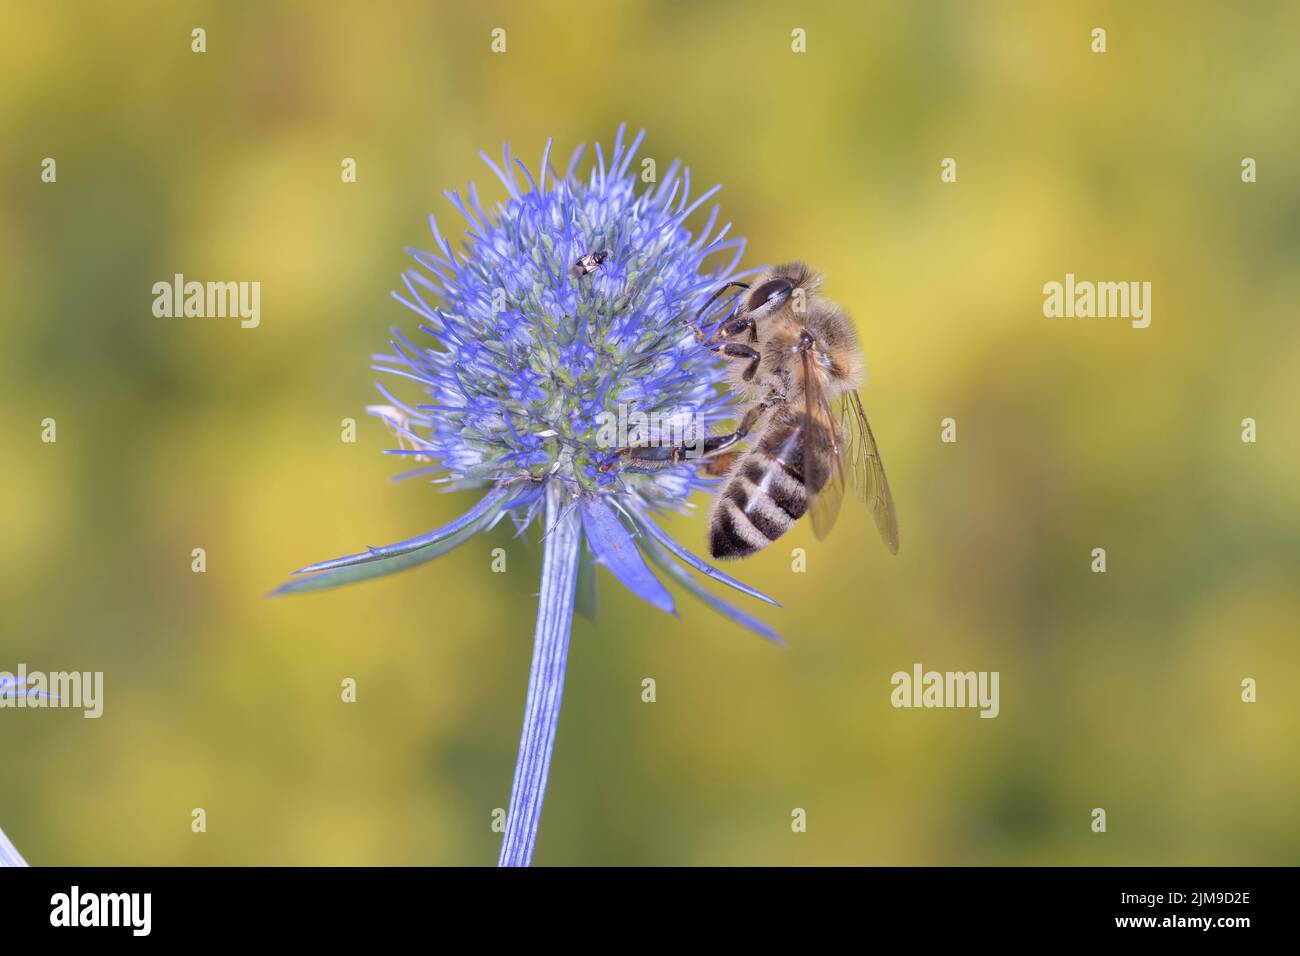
x=735, y=350
x=695, y=326
x=732, y=327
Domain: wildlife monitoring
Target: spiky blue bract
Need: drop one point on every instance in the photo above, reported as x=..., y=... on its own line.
x=13, y=686
x=9, y=855
x=615, y=548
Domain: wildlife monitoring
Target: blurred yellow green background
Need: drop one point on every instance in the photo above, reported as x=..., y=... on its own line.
x=1119, y=691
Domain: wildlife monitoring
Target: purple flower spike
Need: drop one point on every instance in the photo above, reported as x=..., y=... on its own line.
x=565, y=317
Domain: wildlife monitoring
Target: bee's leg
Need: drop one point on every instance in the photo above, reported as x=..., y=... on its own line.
x=653, y=457
x=747, y=422
x=762, y=302
x=735, y=350
x=695, y=326
x=732, y=326
x=662, y=456
x=717, y=445
x=775, y=294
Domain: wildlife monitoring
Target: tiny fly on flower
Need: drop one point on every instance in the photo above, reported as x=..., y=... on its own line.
x=588, y=263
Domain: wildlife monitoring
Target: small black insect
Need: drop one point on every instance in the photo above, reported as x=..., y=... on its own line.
x=588, y=263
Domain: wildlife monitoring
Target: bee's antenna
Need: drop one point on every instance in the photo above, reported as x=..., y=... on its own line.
x=713, y=298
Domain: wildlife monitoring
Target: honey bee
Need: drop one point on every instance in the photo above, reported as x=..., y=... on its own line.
x=796, y=360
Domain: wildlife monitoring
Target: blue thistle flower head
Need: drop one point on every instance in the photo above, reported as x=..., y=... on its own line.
x=569, y=304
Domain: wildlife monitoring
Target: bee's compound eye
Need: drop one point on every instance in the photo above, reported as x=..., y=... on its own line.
x=773, y=292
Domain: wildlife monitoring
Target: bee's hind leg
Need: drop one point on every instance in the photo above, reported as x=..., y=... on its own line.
x=718, y=456
x=652, y=457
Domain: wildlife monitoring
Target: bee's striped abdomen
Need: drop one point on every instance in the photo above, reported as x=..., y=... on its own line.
x=763, y=498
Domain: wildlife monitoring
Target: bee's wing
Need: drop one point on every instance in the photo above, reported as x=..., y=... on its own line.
x=866, y=472
x=822, y=444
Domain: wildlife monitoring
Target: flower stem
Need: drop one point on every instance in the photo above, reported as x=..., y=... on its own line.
x=545, y=679
x=9, y=856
